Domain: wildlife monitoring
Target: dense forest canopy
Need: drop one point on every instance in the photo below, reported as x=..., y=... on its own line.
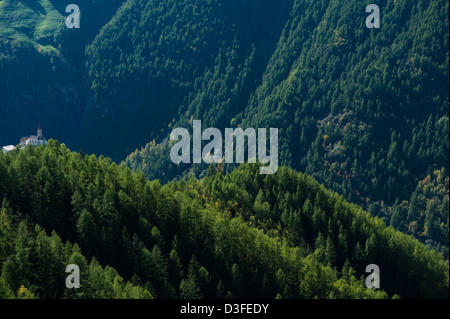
x=364, y=112
x=234, y=235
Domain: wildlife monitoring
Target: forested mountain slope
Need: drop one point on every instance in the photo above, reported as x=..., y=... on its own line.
x=159, y=61
x=364, y=111
x=42, y=65
x=239, y=235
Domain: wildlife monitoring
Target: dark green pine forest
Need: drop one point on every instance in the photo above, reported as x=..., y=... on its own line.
x=363, y=119
x=240, y=235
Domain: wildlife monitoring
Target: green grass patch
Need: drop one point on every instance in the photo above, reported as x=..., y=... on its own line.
x=32, y=20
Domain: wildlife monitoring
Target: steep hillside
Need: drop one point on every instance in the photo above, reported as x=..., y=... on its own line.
x=363, y=111
x=159, y=61
x=30, y=20
x=42, y=65
x=242, y=235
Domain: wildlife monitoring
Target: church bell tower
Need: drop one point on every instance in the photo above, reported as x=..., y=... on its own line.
x=39, y=131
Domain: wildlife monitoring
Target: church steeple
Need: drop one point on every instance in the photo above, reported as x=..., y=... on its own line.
x=39, y=131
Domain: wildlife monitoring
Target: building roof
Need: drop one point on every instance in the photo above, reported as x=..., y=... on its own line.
x=9, y=148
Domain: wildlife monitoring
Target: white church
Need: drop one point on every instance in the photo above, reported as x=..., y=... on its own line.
x=34, y=140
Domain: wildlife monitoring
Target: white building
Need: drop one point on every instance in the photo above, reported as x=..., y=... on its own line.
x=34, y=140
x=8, y=148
